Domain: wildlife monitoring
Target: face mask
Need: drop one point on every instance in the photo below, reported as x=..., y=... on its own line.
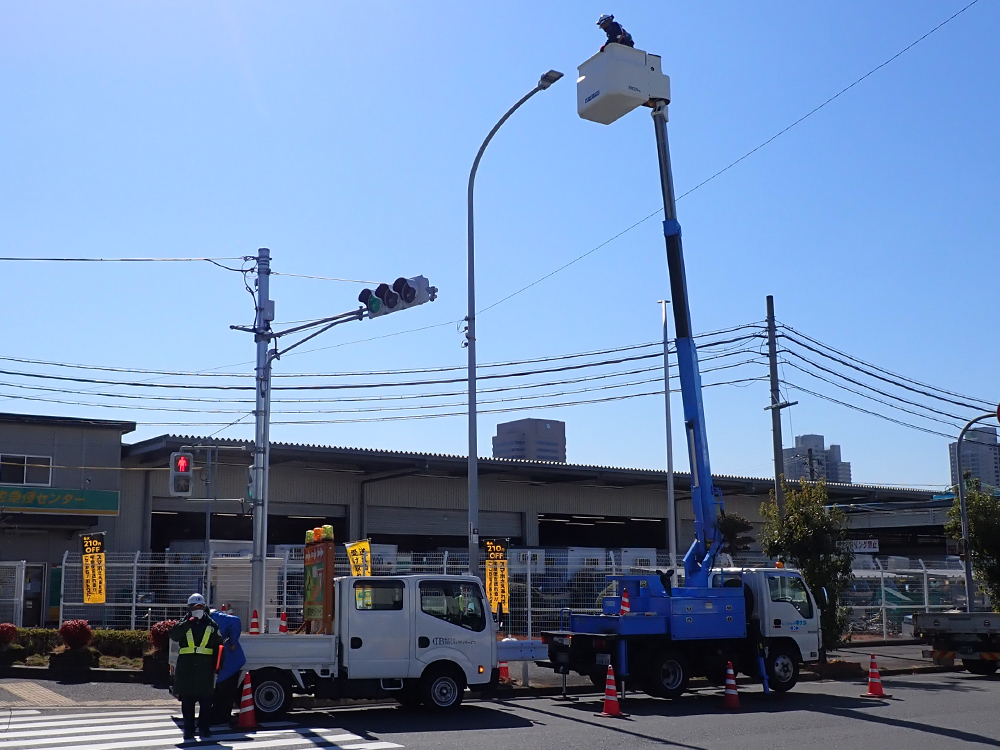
x=198, y=614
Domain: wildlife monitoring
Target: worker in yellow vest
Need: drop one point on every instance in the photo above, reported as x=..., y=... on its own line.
x=198, y=661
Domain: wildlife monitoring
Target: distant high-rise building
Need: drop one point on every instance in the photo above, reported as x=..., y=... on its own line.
x=532, y=440
x=811, y=459
x=980, y=456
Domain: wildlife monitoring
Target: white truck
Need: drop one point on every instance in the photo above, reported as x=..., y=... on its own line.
x=973, y=637
x=421, y=639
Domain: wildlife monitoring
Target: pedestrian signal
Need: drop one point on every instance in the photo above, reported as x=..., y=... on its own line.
x=181, y=474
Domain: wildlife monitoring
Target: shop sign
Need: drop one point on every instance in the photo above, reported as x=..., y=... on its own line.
x=51, y=501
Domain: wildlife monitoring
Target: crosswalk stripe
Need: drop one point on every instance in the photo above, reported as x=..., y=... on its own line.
x=370, y=746
x=33, y=722
x=257, y=740
x=50, y=731
x=35, y=716
x=100, y=734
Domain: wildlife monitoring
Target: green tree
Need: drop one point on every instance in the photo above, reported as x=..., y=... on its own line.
x=812, y=538
x=733, y=529
x=983, y=509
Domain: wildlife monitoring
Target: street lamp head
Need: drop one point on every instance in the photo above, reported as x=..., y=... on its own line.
x=548, y=79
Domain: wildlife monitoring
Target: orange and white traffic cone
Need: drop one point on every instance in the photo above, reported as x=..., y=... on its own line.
x=247, y=716
x=504, y=672
x=626, y=606
x=732, y=697
x=283, y=627
x=254, y=624
x=611, y=708
x=874, y=683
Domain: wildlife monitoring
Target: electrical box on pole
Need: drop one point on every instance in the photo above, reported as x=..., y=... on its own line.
x=181, y=474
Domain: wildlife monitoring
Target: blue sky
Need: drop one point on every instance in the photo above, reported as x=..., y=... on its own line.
x=340, y=135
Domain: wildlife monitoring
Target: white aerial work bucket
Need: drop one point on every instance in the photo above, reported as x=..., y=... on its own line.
x=614, y=82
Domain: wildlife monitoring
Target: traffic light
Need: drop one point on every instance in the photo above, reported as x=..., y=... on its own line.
x=403, y=293
x=181, y=474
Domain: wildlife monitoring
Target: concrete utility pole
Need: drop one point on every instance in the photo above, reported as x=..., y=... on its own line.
x=776, y=406
x=262, y=420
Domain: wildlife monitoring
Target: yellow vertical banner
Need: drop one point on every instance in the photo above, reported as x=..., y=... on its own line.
x=94, y=577
x=360, y=556
x=497, y=584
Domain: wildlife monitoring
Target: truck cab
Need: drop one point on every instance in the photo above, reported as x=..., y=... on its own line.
x=783, y=613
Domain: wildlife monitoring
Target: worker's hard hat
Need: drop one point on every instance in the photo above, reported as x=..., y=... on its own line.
x=603, y=19
x=196, y=599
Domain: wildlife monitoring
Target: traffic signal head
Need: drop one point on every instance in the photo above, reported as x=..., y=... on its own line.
x=181, y=474
x=404, y=293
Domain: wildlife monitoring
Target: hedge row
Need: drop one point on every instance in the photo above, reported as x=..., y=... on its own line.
x=130, y=643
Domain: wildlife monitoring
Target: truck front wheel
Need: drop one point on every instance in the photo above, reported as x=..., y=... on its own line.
x=782, y=669
x=272, y=693
x=668, y=677
x=980, y=666
x=441, y=688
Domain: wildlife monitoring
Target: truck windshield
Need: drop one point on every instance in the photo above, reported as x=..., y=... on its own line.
x=791, y=590
x=455, y=602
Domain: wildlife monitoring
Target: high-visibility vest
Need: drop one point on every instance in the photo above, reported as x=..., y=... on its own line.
x=202, y=649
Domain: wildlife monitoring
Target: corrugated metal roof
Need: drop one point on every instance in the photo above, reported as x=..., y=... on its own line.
x=136, y=448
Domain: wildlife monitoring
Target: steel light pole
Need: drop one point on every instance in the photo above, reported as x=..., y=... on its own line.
x=961, y=504
x=470, y=334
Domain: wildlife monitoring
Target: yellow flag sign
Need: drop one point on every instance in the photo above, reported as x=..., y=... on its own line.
x=94, y=577
x=497, y=585
x=360, y=555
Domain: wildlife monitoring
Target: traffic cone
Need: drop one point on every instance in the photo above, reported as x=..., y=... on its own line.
x=611, y=707
x=626, y=607
x=504, y=672
x=254, y=624
x=732, y=697
x=874, y=683
x=283, y=627
x=247, y=717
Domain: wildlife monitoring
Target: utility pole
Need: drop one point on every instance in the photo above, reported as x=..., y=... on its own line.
x=262, y=428
x=401, y=295
x=775, y=408
x=671, y=503
x=812, y=472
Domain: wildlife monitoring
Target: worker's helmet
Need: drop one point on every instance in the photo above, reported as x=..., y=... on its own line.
x=196, y=599
x=604, y=19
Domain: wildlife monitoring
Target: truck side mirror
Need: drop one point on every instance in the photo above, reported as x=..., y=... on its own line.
x=499, y=618
x=824, y=598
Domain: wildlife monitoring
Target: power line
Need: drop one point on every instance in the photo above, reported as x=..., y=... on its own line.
x=871, y=366
x=876, y=376
x=865, y=411
x=747, y=155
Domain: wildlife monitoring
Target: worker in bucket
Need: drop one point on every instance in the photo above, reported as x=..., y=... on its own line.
x=198, y=660
x=227, y=682
x=616, y=34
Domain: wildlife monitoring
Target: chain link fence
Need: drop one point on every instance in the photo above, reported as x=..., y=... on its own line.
x=145, y=588
x=12, y=592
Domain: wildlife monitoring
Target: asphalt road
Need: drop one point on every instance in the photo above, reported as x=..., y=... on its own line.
x=931, y=711
x=936, y=711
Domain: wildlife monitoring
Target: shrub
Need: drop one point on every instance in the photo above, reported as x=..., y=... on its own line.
x=159, y=634
x=8, y=632
x=130, y=643
x=76, y=633
x=38, y=641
